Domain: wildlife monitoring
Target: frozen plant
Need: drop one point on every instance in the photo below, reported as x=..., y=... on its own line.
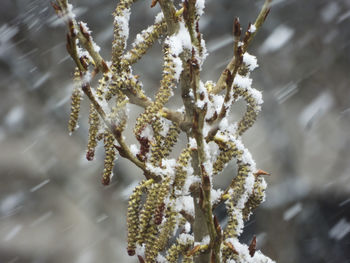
x=171, y=214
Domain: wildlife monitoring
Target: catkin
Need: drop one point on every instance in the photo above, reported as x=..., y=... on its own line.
x=94, y=122
x=176, y=249
x=164, y=93
x=257, y=197
x=147, y=212
x=149, y=36
x=134, y=208
x=228, y=150
x=180, y=172
x=110, y=154
x=250, y=116
x=121, y=17
x=75, y=102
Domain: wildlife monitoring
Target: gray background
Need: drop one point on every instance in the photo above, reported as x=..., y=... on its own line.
x=53, y=207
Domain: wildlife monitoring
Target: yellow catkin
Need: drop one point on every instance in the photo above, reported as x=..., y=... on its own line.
x=162, y=145
x=225, y=252
x=170, y=139
x=118, y=114
x=232, y=224
x=150, y=241
x=75, y=102
x=156, y=149
x=94, y=123
x=103, y=84
x=187, y=259
x=238, y=183
x=229, y=252
x=237, y=186
x=180, y=171
x=147, y=212
x=256, y=198
x=150, y=237
x=165, y=233
x=250, y=116
x=209, y=85
x=121, y=15
x=133, y=213
x=124, y=81
x=176, y=249
x=110, y=154
x=148, y=36
x=164, y=93
x=228, y=150
x=115, y=86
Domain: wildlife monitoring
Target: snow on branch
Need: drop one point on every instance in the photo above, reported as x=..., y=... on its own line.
x=171, y=214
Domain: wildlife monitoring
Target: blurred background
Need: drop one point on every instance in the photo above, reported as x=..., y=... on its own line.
x=53, y=207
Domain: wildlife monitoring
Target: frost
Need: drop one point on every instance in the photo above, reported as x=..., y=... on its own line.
x=244, y=255
x=204, y=54
x=123, y=23
x=200, y=4
x=140, y=250
x=208, y=166
x=161, y=259
x=202, y=91
x=70, y=13
x=184, y=203
x=242, y=82
x=223, y=124
x=232, y=128
x=292, y=211
x=185, y=238
x=85, y=27
x=167, y=168
x=246, y=155
x=213, y=106
x=250, y=61
x=139, y=37
x=177, y=68
x=187, y=227
x=249, y=183
x=256, y=94
x=252, y=28
x=103, y=103
x=147, y=133
x=190, y=179
x=205, y=241
x=134, y=149
x=193, y=143
x=279, y=37
x=159, y=17
x=179, y=41
x=215, y=195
